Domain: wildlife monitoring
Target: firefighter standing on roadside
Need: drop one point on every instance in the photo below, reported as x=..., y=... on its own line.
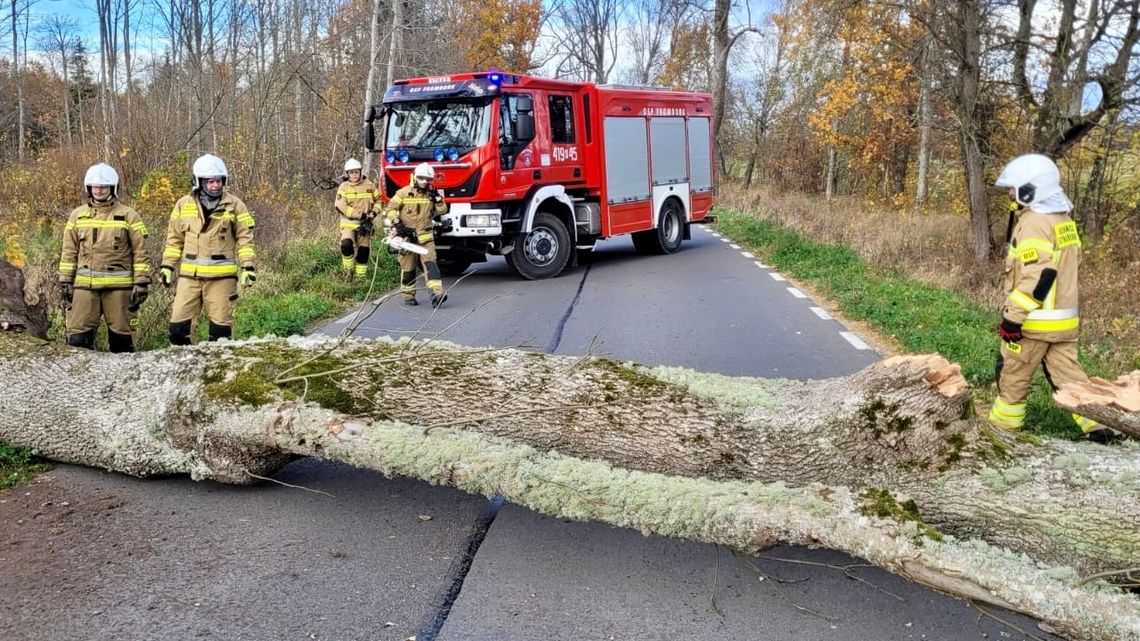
x=1040, y=322
x=104, y=269
x=356, y=199
x=412, y=213
x=209, y=236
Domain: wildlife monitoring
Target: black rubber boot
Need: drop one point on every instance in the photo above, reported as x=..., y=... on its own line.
x=218, y=332
x=85, y=340
x=438, y=299
x=180, y=333
x=120, y=343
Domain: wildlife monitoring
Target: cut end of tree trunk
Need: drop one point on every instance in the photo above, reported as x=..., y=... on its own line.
x=1112, y=403
x=946, y=377
x=15, y=313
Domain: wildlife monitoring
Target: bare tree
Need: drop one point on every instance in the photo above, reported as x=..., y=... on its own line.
x=58, y=36
x=587, y=36
x=724, y=39
x=1058, y=119
x=651, y=22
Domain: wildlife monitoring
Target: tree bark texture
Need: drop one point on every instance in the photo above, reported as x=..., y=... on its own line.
x=886, y=464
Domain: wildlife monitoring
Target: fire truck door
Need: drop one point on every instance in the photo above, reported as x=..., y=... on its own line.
x=564, y=162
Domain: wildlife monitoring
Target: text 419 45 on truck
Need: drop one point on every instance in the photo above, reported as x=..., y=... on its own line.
x=539, y=170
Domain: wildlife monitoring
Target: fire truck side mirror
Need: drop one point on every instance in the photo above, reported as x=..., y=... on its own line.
x=369, y=136
x=524, y=104
x=370, y=114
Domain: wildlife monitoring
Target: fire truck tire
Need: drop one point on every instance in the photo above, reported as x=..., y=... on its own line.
x=544, y=252
x=451, y=266
x=667, y=237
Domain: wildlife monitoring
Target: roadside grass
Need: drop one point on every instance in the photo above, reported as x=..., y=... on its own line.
x=18, y=465
x=922, y=318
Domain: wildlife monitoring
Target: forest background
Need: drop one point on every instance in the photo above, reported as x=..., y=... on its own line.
x=873, y=125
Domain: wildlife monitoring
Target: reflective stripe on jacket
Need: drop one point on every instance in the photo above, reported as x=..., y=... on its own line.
x=1043, y=242
x=104, y=247
x=353, y=201
x=213, y=250
x=414, y=207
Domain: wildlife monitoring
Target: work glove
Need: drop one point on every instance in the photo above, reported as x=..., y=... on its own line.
x=248, y=277
x=66, y=292
x=166, y=275
x=436, y=195
x=406, y=232
x=139, y=294
x=365, y=228
x=1010, y=332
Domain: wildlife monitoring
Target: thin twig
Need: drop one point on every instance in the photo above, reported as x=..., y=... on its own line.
x=1128, y=573
x=716, y=581
x=295, y=487
x=779, y=590
x=573, y=489
x=846, y=569
x=1012, y=626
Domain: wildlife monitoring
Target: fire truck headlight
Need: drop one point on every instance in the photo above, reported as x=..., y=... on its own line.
x=402, y=155
x=437, y=153
x=452, y=154
x=390, y=156
x=481, y=220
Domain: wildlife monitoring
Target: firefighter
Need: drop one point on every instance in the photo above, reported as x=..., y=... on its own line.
x=356, y=199
x=104, y=270
x=210, y=241
x=412, y=213
x=1040, y=321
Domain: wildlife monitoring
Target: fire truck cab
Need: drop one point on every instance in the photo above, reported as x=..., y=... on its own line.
x=539, y=170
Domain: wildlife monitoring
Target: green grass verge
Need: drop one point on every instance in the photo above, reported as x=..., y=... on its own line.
x=17, y=465
x=923, y=318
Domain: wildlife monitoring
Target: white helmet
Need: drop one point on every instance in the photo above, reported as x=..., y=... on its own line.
x=351, y=164
x=210, y=166
x=103, y=175
x=423, y=174
x=1034, y=179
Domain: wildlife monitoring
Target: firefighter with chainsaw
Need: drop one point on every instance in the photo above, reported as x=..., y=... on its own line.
x=210, y=242
x=1040, y=321
x=411, y=216
x=104, y=269
x=356, y=200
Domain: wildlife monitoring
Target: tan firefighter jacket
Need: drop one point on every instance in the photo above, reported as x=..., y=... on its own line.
x=104, y=247
x=353, y=201
x=414, y=207
x=209, y=251
x=1043, y=242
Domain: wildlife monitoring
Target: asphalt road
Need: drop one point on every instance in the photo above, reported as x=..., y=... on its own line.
x=86, y=554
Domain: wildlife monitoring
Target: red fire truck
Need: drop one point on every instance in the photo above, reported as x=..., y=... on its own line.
x=538, y=170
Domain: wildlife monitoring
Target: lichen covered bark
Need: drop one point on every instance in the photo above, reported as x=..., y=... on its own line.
x=880, y=464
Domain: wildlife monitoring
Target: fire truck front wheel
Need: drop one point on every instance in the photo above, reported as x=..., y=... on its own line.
x=544, y=252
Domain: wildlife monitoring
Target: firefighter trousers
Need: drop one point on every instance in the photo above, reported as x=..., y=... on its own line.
x=355, y=249
x=218, y=296
x=1015, y=368
x=89, y=305
x=412, y=264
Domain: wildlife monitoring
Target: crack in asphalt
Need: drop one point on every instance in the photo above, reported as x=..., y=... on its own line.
x=462, y=564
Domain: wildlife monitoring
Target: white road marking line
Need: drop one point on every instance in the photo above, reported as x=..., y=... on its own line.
x=724, y=240
x=775, y=276
x=797, y=293
x=759, y=264
x=855, y=341
x=734, y=246
x=747, y=254
x=821, y=312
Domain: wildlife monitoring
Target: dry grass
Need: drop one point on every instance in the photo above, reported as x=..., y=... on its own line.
x=934, y=249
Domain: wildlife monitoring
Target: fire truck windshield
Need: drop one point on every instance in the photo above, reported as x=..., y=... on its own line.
x=421, y=127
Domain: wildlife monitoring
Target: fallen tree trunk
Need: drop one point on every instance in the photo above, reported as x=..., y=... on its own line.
x=1114, y=403
x=886, y=464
